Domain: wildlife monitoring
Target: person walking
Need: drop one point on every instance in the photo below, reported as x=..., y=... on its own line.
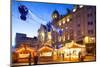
x=35, y=59
x=81, y=58
x=30, y=59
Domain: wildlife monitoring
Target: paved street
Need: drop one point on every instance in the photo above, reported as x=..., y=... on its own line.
x=87, y=58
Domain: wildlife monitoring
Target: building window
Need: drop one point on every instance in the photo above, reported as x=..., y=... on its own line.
x=90, y=31
x=78, y=25
x=88, y=7
x=78, y=32
x=89, y=15
x=90, y=23
x=78, y=15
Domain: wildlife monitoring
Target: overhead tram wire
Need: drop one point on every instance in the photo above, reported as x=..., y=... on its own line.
x=32, y=17
x=33, y=14
x=17, y=18
x=39, y=17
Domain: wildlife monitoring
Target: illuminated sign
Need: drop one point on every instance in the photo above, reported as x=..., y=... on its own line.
x=23, y=55
x=46, y=54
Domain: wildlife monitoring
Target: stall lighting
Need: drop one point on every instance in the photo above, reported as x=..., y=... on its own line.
x=23, y=55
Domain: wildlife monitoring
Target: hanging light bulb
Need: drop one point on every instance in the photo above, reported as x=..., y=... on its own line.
x=81, y=6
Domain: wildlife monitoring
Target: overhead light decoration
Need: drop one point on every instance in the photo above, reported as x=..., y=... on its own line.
x=81, y=6
x=23, y=10
x=74, y=9
x=54, y=16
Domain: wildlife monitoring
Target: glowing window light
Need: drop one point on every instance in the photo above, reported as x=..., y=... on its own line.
x=92, y=39
x=68, y=19
x=42, y=36
x=63, y=38
x=62, y=29
x=66, y=27
x=63, y=21
x=49, y=35
x=59, y=23
x=42, y=33
x=55, y=16
x=59, y=39
x=86, y=39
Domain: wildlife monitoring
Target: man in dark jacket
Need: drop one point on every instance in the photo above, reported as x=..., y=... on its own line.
x=30, y=59
x=35, y=59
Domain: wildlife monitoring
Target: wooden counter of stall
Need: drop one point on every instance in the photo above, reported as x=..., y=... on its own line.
x=45, y=54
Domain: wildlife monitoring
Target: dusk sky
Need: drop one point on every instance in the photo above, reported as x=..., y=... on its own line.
x=40, y=13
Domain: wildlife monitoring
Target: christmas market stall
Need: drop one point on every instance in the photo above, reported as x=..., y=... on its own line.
x=24, y=54
x=72, y=52
x=45, y=53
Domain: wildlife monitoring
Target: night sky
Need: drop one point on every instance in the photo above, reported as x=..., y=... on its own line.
x=40, y=13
